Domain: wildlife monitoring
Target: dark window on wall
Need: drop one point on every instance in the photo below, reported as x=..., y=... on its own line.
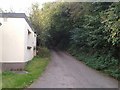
x=29, y=47
x=0, y=24
x=35, y=34
x=29, y=32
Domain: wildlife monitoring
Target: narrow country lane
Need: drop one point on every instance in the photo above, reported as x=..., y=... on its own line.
x=65, y=72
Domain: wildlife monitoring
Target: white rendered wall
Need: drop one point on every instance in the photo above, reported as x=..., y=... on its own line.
x=13, y=40
x=0, y=56
x=29, y=41
x=0, y=42
x=35, y=42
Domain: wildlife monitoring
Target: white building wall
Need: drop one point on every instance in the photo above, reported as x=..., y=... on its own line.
x=13, y=40
x=0, y=42
x=35, y=44
x=29, y=41
x=0, y=57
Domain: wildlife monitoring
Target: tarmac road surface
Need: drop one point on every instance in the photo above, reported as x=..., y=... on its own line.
x=64, y=71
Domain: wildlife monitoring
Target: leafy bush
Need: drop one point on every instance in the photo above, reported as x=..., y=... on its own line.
x=43, y=52
x=90, y=29
x=105, y=63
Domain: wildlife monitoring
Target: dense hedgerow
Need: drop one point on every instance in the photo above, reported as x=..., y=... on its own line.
x=90, y=28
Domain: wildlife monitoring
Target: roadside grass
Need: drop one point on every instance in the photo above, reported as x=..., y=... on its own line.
x=0, y=80
x=34, y=68
x=104, y=63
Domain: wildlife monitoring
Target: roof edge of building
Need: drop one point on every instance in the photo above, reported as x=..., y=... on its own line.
x=16, y=15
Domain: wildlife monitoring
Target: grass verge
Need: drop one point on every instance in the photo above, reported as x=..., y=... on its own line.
x=104, y=63
x=34, y=67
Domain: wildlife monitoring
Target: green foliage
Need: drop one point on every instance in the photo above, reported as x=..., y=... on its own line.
x=43, y=52
x=101, y=62
x=111, y=20
x=89, y=28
